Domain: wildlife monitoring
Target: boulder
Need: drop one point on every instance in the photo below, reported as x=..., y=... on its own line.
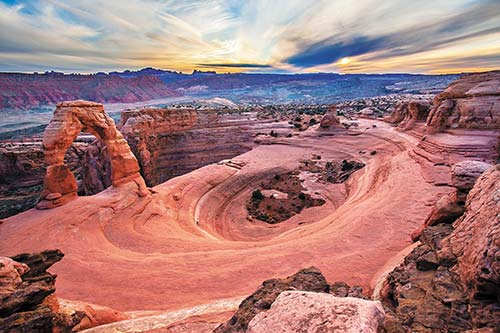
x=298, y=311
x=330, y=119
x=464, y=174
x=308, y=279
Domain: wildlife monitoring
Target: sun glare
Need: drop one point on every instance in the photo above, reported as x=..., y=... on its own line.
x=344, y=61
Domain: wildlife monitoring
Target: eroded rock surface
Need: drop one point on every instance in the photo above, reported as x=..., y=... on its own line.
x=406, y=114
x=298, y=311
x=27, y=303
x=472, y=101
x=330, y=119
x=171, y=142
x=309, y=279
x=451, y=206
x=451, y=281
x=71, y=118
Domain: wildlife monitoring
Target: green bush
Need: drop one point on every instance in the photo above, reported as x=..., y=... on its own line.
x=257, y=195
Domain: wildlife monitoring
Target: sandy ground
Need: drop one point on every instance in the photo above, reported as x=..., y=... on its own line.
x=191, y=244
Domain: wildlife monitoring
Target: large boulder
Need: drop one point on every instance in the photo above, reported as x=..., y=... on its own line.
x=472, y=101
x=308, y=312
x=309, y=279
x=464, y=174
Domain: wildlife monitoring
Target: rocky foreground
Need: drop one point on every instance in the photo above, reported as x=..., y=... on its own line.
x=190, y=252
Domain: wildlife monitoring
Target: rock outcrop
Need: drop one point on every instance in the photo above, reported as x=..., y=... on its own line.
x=451, y=281
x=451, y=206
x=172, y=142
x=475, y=240
x=27, y=303
x=330, y=119
x=472, y=101
x=22, y=169
x=309, y=279
x=406, y=114
x=298, y=311
x=69, y=119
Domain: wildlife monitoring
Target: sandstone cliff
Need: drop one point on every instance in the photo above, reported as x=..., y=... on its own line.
x=451, y=281
x=172, y=142
x=406, y=114
x=472, y=101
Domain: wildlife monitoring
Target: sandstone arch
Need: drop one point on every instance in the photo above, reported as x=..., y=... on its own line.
x=71, y=118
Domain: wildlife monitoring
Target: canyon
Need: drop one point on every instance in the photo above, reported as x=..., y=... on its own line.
x=23, y=91
x=410, y=227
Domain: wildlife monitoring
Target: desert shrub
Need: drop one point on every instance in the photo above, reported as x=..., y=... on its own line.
x=302, y=196
x=257, y=195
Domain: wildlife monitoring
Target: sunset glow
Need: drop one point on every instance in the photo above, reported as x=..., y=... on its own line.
x=436, y=36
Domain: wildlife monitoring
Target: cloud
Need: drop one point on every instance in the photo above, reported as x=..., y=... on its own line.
x=279, y=35
x=325, y=53
x=236, y=65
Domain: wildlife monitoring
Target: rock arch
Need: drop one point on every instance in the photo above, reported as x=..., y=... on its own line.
x=71, y=118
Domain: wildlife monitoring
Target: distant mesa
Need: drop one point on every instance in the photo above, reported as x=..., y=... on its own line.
x=71, y=118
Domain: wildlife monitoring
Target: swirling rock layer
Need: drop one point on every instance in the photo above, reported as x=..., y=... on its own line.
x=190, y=243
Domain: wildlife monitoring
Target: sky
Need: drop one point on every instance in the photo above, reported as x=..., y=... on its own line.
x=280, y=36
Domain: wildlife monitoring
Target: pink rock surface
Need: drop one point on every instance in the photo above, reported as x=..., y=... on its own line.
x=475, y=240
x=472, y=101
x=71, y=118
x=307, y=312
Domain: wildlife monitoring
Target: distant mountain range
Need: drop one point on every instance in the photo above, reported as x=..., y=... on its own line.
x=25, y=91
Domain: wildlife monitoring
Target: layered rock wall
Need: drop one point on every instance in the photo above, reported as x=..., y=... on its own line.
x=451, y=281
x=472, y=101
x=172, y=142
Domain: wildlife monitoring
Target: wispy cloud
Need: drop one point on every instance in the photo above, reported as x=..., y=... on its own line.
x=260, y=35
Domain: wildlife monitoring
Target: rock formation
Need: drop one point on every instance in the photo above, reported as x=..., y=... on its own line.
x=451, y=281
x=70, y=118
x=18, y=90
x=172, y=142
x=475, y=241
x=308, y=312
x=406, y=114
x=330, y=119
x=22, y=169
x=27, y=303
x=309, y=279
x=451, y=206
x=472, y=101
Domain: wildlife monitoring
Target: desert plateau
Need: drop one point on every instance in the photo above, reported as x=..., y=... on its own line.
x=249, y=167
